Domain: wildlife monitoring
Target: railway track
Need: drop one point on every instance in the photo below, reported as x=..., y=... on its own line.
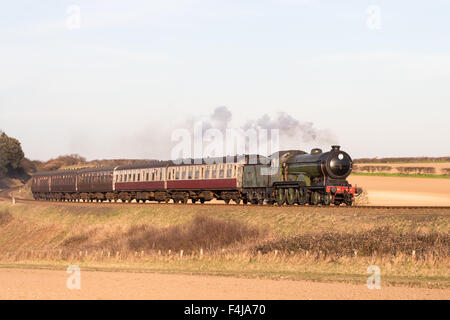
x=6, y=194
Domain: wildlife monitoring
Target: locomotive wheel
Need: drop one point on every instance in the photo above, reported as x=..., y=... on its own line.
x=261, y=201
x=326, y=199
x=245, y=201
x=237, y=201
x=337, y=202
x=202, y=201
x=185, y=200
x=291, y=196
x=194, y=200
x=315, y=198
x=348, y=199
x=281, y=196
x=227, y=201
x=301, y=196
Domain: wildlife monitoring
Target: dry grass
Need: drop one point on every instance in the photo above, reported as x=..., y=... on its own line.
x=288, y=242
x=24, y=192
x=362, y=199
x=381, y=242
x=5, y=217
x=201, y=233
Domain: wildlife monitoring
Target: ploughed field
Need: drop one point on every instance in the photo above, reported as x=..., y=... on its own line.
x=411, y=247
x=51, y=284
x=403, y=191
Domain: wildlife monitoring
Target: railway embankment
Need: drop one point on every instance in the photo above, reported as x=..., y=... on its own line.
x=411, y=247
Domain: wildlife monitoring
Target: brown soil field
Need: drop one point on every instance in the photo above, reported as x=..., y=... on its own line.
x=51, y=284
x=404, y=190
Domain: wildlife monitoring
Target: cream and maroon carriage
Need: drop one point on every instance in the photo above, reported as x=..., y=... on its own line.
x=215, y=178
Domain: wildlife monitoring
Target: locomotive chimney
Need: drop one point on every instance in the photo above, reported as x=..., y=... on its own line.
x=335, y=148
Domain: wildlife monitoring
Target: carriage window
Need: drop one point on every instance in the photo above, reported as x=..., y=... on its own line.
x=229, y=173
x=221, y=173
x=213, y=174
x=183, y=175
x=177, y=175
x=207, y=174
x=196, y=174
x=138, y=177
x=146, y=176
x=153, y=176
x=190, y=174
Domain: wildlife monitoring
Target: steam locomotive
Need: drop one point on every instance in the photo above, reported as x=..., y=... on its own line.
x=292, y=177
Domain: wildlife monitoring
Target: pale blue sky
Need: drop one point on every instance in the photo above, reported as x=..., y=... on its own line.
x=135, y=70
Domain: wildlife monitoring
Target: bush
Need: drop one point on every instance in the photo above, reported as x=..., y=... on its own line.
x=201, y=233
x=403, y=159
x=63, y=161
x=371, y=169
x=416, y=170
x=378, y=242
